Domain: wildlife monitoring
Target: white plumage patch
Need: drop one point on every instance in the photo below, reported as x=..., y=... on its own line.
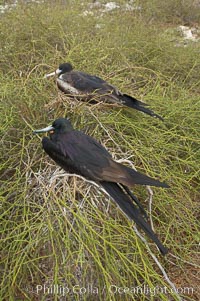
x=66, y=86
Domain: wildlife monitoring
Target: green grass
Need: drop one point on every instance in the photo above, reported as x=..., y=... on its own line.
x=59, y=230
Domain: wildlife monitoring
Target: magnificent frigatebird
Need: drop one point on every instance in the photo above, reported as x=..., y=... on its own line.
x=92, y=88
x=81, y=154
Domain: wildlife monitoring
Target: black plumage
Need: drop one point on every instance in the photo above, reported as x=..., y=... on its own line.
x=92, y=88
x=81, y=154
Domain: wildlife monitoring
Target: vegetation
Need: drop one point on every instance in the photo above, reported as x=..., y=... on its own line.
x=58, y=231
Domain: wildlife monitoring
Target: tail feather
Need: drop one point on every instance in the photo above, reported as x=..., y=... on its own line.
x=132, y=102
x=126, y=205
x=135, y=177
x=137, y=202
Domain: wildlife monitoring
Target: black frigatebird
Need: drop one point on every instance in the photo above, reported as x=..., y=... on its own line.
x=81, y=154
x=88, y=87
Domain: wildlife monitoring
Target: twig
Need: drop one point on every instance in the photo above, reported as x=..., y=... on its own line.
x=73, y=221
x=33, y=69
x=190, y=263
x=75, y=175
x=104, y=129
x=150, y=199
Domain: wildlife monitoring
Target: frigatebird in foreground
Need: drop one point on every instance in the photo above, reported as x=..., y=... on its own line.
x=92, y=88
x=81, y=154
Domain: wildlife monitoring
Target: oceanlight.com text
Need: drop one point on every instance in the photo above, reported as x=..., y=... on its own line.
x=113, y=289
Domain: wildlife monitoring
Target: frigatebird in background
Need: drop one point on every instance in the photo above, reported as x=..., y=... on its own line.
x=81, y=154
x=92, y=88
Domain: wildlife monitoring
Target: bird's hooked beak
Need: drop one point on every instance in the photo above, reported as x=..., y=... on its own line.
x=57, y=72
x=44, y=130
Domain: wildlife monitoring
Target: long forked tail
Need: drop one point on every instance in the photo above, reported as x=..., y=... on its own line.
x=127, y=206
x=132, y=102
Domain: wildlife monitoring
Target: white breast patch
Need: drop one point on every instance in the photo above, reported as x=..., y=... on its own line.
x=66, y=86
